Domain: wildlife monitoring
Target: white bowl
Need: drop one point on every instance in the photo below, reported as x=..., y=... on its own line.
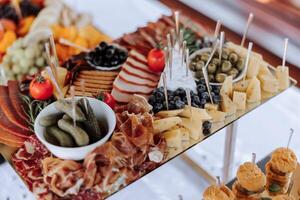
x=204, y=50
x=102, y=111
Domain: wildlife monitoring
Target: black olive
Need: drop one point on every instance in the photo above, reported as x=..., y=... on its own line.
x=206, y=125
x=103, y=45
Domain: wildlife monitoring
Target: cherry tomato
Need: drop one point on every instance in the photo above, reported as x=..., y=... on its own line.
x=107, y=98
x=156, y=60
x=41, y=88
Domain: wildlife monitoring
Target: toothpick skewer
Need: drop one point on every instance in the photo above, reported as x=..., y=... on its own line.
x=82, y=85
x=3, y=75
x=72, y=44
x=222, y=37
x=176, y=14
x=174, y=38
x=50, y=61
x=217, y=29
x=253, y=158
x=187, y=62
x=181, y=39
x=53, y=80
x=16, y=5
x=290, y=138
x=204, y=69
x=250, y=19
x=164, y=76
x=218, y=181
x=53, y=51
x=286, y=41
x=250, y=45
x=183, y=52
x=189, y=100
x=170, y=53
x=73, y=101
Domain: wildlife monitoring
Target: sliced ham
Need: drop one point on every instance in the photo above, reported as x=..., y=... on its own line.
x=131, y=88
x=139, y=73
x=136, y=80
x=121, y=96
x=138, y=65
x=138, y=57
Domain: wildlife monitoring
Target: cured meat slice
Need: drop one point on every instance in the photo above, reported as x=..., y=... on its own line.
x=9, y=110
x=14, y=96
x=141, y=66
x=139, y=73
x=131, y=88
x=120, y=96
x=138, y=57
x=10, y=143
x=136, y=80
x=9, y=139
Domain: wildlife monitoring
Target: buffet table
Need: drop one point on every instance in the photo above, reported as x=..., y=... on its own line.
x=190, y=157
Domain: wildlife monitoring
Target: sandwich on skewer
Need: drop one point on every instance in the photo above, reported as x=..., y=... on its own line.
x=215, y=192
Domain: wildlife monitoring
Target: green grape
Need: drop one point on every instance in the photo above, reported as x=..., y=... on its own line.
x=40, y=62
x=33, y=71
x=16, y=69
x=30, y=53
x=25, y=64
x=6, y=59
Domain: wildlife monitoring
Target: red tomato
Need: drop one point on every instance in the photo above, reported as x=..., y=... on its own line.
x=156, y=60
x=41, y=88
x=107, y=98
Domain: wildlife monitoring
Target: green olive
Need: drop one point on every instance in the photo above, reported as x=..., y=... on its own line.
x=199, y=74
x=198, y=57
x=221, y=77
x=212, y=68
x=205, y=57
x=226, y=66
x=233, y=57
x=193, y=66
x=211, y=78
x=225, y=53
x=215, y=61
x=233, y=72
x=216, y=55
x=200, y=64
x=240, y=64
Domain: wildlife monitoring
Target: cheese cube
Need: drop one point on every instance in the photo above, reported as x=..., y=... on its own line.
x=241, y=86
x=227, y=105
x=239, y=99
x=253, y=91
x=173, y=138
x=217, y=116
x=264, y=69
x=209, y=106
x=282, y=75
x=227, y=86
x=253, y=67
x=269, y=83
x=197, y=113
x=194, y=127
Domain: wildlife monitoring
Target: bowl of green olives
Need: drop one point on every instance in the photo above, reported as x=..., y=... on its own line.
x=231, y=64
x=94, y=124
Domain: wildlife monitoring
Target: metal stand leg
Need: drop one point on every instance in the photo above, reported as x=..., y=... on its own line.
x=230, y=141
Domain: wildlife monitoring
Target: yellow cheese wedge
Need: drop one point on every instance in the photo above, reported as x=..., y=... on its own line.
x=241, y=86
x=217, y=116
x=227, y=86
x=169, y=113
x=197, y=113
x=269, y=83
x=227, y=105
x=253, y=67
x=165, y=124
x=239, y=99
x=173, y=138
x=282, y=75
x=253, y=91
x=264, y=69
x=209, y=106
x=194, y=127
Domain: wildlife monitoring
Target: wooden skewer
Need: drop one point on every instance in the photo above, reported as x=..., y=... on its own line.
x=290, y=138
x=250, y=45
x=218, y=180
x=53, y=80
x=3, y=75
x=53, y=51
x=72, y=91
x=217, y=29
x=250, y=19
x=49, y=60
x=183, y=52
x=189, y=99
x=253, y=158
x=286, y=41
x=222, y=38
x=72, y=44
x=16, y=5
x=176, y=14
x=164, y=76
x=82, y=84
x=174, y=38
x=1, y=26
x=181, y=39
x=187, y=53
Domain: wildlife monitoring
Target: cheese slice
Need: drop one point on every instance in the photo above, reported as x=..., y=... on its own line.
x=169, y=113
x=227, y=105
x=241, y=86
x=165, y=124
x=173, y=138
x=227, y=86
x=253, y=67
x=185, y=134
x=209, y=106
x=194, y=127
x=239, y=99
x=217, y=116
x=282, y=75
x=253, y=91
x=197, y=113
x=269, y=83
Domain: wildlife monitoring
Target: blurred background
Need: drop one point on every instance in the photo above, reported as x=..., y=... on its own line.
x=261, y=131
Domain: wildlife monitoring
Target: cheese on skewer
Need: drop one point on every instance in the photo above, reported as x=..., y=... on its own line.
x=253, y=91
x=227, y=86
x=227, y=105
x=241, y=86
x=282, y=75
x=239, y=99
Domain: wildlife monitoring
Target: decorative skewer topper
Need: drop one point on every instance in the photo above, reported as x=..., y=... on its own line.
x=250, y=19
x=282, y=72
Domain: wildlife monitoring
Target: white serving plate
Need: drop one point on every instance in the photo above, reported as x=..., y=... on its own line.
x=204, y=50
x=102, y=111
